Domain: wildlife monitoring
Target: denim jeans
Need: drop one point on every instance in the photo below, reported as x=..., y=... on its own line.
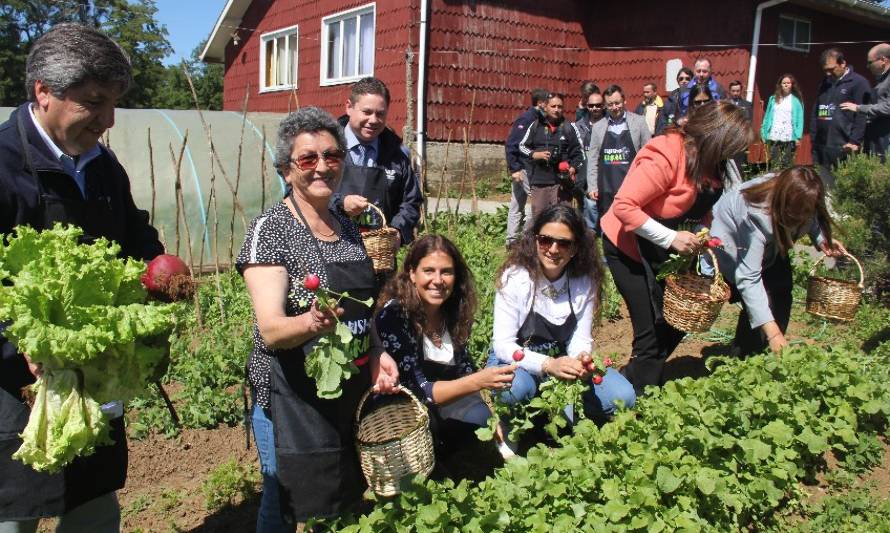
x=517, y=221
x=269, y=518
x=599, y=404
x=590, y=212
x=99, y=515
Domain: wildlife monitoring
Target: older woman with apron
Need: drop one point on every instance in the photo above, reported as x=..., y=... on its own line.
x=306, y=445
x=670, y=189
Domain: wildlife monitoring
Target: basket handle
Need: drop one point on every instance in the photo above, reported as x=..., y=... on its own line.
x=715, y=263
x=379, y=212
x=847, y=254
x=367, y=394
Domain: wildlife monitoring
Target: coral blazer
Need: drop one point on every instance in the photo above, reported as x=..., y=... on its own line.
x=656, y=186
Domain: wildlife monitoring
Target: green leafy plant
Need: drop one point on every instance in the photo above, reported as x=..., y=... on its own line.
x=81, y=313
x=331, y=360
x=229, y=483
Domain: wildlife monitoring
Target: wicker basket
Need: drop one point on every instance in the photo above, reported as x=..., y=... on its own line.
x=834, y=298
x=394, y=442
x=692, y=302
x=382, y=244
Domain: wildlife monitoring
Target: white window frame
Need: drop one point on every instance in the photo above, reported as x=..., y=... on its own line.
x=338, y=18
x=796, y=21
x=291, y=32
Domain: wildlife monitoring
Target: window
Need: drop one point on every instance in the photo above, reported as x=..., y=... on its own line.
x=278, y=60
x=794, y=34
x=347, y=46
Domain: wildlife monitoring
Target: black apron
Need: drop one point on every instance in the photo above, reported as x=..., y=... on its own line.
x=615, y=157
x=372, y=183
x=654, y=256
x=24, y=492
x=540, y=335
x=318, y=469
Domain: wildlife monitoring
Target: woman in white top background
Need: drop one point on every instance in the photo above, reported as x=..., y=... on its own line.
x=782, y=125
x=548, y=290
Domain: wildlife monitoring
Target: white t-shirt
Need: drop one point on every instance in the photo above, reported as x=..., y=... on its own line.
x=782, y=128
x=513, y=303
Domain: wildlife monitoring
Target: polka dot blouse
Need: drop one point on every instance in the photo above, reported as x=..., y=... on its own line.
x=276, y=237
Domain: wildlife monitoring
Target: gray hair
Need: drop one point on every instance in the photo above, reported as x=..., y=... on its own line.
x=70, y=54
x=304, y=120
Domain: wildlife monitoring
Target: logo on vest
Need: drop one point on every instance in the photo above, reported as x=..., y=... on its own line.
x=616, y=156
x=390, y=173
x=825, y=111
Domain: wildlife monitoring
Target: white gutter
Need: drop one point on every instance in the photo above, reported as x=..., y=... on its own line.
x=755, y=46
x=421, y=82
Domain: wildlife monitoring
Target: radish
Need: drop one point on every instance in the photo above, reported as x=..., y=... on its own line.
x=311, y=282
x=563, y=166
x=518, y=355
x=168, y=278
x=607, y=362
x=597, y=379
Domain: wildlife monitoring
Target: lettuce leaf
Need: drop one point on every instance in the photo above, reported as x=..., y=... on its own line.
x=78, y=309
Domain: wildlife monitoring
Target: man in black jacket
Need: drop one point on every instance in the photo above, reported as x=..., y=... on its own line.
x=378, y=168
x=551, y=154
x=833, y=131
x=520, y=189
x=735, y=96
x=52, y=169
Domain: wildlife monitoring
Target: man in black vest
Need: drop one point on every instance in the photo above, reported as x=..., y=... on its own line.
x=877, y=130
x=52, y=169
x=378, y=168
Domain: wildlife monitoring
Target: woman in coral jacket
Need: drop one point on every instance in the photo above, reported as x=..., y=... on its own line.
x=670, y=189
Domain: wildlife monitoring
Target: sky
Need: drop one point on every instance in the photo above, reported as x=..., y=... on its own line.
x=188, y=23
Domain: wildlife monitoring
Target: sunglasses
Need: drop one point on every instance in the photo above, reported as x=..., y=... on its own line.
x=594, y=106
x=699, y=103
x=332, y=158
x=546, y=242
x=683, y=78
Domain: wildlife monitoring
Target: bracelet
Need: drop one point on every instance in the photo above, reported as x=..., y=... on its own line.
x=545, y=364
x=773, y=336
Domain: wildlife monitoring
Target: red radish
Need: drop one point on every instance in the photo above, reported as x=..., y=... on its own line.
x=518, y=355
x=311, y=282
x=168, y=278
x=597, y=379
x=607, y=362
x=714, y=242
x=563, y=166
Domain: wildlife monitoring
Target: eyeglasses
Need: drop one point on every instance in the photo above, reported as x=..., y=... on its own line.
x=683, y=78
x=546, y=242
x=332, y=158
x=699, y=103
x=594, y=106
x=615, y=104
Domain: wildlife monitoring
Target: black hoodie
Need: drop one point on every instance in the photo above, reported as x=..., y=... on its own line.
x=829, y=125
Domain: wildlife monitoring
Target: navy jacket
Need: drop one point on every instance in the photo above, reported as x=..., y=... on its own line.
x=538, y=137
x=517, y=132
x=19, y=205
x=829, y=125
x=404, y=195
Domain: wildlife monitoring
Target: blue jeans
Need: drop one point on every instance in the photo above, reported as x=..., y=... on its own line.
x=591, y=214
x=599, y=404
x=269, y=517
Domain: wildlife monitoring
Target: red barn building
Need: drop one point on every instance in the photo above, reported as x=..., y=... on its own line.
x=481, y=58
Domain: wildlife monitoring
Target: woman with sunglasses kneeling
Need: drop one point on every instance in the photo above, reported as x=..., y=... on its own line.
x=306, y=444
x=424, y=319
x=547, y=292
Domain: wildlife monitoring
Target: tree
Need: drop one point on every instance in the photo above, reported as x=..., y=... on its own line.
x=175, y=92
x=129, y=22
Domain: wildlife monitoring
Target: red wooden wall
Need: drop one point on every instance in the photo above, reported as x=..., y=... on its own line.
x=394, y=28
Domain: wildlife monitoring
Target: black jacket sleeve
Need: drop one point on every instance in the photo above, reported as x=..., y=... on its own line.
x=511, y=146
x=861, y=94
x=405, y=220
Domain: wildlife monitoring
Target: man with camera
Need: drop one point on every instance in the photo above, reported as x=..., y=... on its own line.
x=551, y=153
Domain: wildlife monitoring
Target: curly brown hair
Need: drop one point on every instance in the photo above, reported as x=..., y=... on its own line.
x=586, y=261
x=458, y=310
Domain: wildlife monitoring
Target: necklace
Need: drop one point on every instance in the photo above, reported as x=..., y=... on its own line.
x=552, y=292
x=435, y=336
